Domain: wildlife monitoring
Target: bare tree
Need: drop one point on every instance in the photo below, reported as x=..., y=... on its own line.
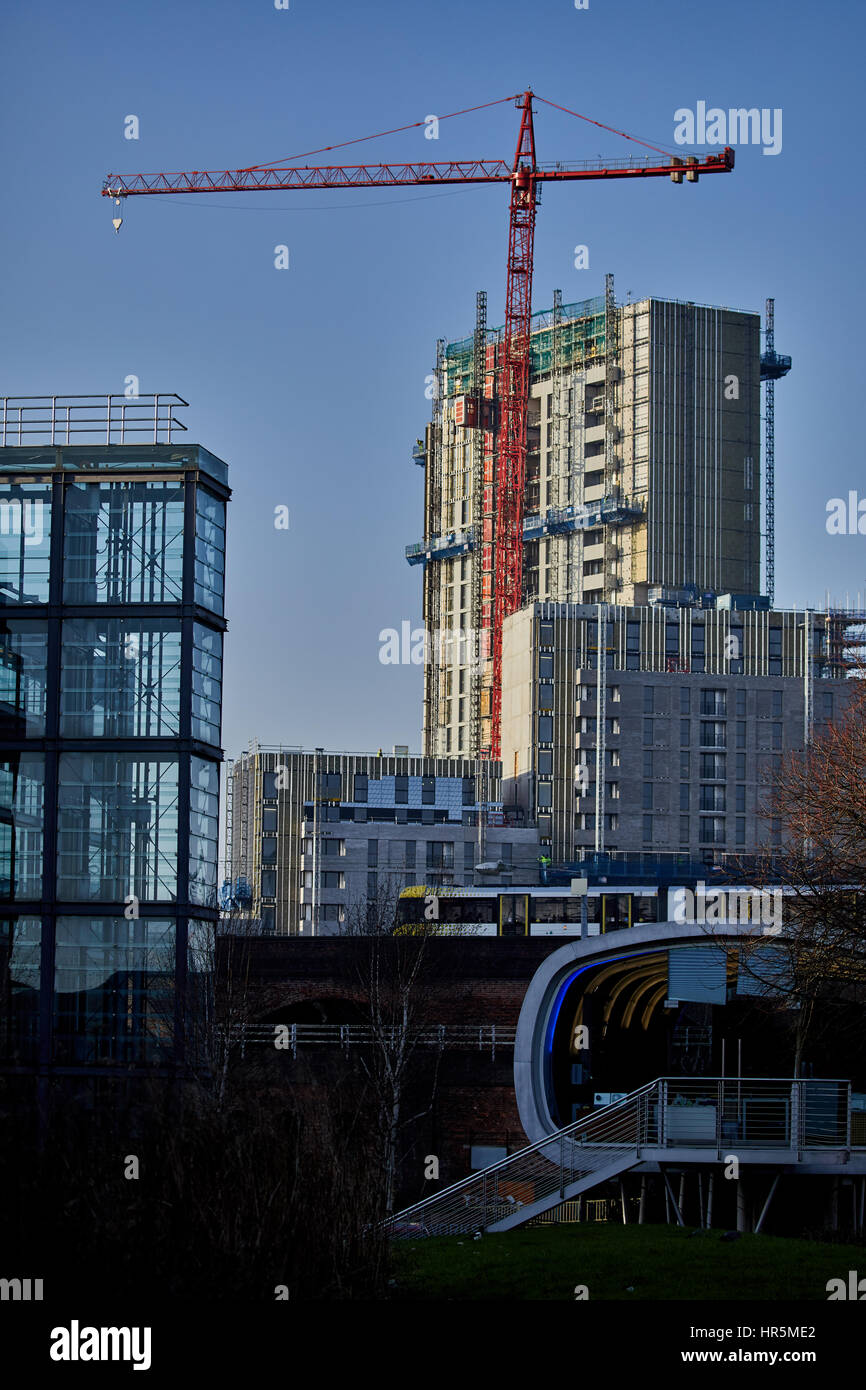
x=392, y=970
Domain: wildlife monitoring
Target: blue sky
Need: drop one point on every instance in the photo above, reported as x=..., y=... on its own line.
x=310, y=382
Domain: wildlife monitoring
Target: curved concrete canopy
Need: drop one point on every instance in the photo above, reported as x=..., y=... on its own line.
x=544, y=988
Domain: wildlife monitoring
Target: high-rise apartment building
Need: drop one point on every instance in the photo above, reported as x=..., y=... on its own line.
x=670, y=748
x=112, y=558
x=643, y=474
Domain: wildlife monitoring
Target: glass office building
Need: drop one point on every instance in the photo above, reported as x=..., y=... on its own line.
x=112, y=563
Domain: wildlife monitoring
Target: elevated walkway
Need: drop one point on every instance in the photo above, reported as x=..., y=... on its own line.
x=786, y=1125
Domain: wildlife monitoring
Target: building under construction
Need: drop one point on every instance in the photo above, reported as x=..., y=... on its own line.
x=642, y=476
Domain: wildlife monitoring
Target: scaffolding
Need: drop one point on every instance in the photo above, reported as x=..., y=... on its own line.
x=581, y=327
x=846, y=641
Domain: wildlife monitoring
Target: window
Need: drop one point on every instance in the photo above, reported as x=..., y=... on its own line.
x=612, y=791
x=741, y=703
x=409, y=853
x=22, y=777
x=545, y=634
x=613, y=694
x=207, y=654
x=685, y=763
x=741, y=766
x=330, y=786
x=269, y=820
x=741, y=830
x=372, y=854
x=713, y=767
x=268, y=917
x=269, y=786
x=545, y=794
x=428, y=791
x=648, y=762
x=545, y=728
x=361, y=788
x=23, y=674
x=684, y=796
x=777, y=735
x=269, y=849
x=712, y=830
x=143, y=522
x=685, y=699
x=545, y=697
x=741, y=798
x=648, y=731
x=613, y=757
x=545, y=668
x=121, y=679
x=713, y=735
x=672, y=639
x=210, y=547
x=698, y=639
x=440, y=854
x=712, y=798
x=468, y=792
x=468, y=855
x=741, y=734
x=334, y=846
x=269, y=883
x=647, y=829
x=124, y=969
x=545, y=762
x=685, y=835
x=401, y=791
x=334, y=880
x=685, y=730
x=647, y=796
x=25, y=544
x=714, y=703
x=648, y=699
x=827, y=704
x=632, y=637
x=118, y=824
x=372, y=885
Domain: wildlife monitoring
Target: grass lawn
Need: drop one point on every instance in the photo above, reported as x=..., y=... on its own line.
x=656, y=1262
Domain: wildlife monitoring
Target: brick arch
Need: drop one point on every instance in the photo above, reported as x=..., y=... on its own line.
x=314, y=1006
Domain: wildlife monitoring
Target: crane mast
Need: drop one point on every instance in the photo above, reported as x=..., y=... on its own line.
x=505, y=565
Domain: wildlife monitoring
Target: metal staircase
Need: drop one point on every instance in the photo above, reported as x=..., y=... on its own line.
x=778, y=1123
x=527, y=1183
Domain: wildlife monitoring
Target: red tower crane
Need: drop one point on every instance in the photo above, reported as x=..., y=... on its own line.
x=524, y=175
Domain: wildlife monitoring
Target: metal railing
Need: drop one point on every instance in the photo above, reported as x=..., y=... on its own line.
x=483, y=1037
x=523, y=1185
x=707, y=1118
x=107, y=419
x=753, y=1112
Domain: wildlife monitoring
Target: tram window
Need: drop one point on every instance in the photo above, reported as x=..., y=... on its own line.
x=512, y=914
x=644, y=909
